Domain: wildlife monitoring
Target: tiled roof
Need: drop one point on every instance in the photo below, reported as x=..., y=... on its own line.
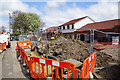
x=100, y=25
x=52, y=29
x=73, y=21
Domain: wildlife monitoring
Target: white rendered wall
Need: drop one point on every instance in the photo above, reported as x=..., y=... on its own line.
x=82, y=23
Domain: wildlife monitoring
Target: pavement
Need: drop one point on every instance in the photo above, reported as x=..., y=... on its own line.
x=10, y=68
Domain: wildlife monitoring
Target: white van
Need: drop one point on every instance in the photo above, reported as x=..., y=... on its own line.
x=2, y=43
x=5, y=38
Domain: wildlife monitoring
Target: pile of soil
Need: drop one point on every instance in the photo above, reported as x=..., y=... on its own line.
x=104, y=59
x=64, y=49
x=114, y=52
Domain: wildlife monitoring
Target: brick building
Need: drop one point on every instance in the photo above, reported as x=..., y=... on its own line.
x=81, y=29
x=103, y=31
x=49, y=32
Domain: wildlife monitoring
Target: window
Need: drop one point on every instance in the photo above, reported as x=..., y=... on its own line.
x=67, y=26
x=63, y=27
x=72, y=26
x=60, y=27
x=78, y=36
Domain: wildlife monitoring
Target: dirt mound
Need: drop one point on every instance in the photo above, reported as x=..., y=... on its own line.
x=113, y=52
x=63, y=49
x=103, y=59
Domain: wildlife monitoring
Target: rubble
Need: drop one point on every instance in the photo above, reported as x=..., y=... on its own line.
x=64, y=49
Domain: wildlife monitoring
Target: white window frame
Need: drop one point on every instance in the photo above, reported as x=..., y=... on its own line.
x=70, y=26
x=65, y=26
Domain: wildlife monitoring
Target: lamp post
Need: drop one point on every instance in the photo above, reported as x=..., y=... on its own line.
x=9, y=22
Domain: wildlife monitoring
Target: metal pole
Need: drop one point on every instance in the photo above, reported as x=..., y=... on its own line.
x=90, y=41
x=41, y=36
x=46, y=44
x=9, y=22
x=93, y=41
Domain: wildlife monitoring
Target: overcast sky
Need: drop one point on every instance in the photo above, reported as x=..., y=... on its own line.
x=56, y=12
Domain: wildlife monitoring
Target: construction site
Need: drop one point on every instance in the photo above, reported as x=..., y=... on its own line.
x=76, y=51
x=50, y=56
x=92, y=53
x=60, y=41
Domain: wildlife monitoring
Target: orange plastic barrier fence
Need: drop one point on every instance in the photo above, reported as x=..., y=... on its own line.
x=24, y=56
x=88, y=66
x=3, y=46
x=24, y=43
x=43, y=68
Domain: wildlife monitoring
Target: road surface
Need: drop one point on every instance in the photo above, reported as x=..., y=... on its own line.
x=11, y=68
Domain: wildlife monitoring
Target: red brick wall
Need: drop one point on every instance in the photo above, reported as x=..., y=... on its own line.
x=100, y=36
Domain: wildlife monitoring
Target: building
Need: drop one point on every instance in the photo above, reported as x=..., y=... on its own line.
x=71, y=26
x=85, y=28
x=103, y=31
x=49, y=32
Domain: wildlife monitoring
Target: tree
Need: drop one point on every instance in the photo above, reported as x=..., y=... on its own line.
x=12, y=17
x=26, y=22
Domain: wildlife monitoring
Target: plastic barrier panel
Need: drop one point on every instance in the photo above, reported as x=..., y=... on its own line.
x=1, y=47
x=43, y=68
x=25, y=57
x=88, y=66
x=24, y=44
x=4, y=45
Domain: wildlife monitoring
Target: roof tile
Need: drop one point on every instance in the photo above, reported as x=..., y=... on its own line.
x=100, y=25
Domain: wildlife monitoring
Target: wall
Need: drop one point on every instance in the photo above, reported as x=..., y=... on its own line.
x=77, y=25
x=82, y=23
x=98, y=36
x=68, y=30
x=70, y=35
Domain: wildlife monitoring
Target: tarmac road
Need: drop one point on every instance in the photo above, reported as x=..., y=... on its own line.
x=10, y=65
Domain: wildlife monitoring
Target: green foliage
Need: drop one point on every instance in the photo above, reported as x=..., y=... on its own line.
x=26, y=22
x=16, y=33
